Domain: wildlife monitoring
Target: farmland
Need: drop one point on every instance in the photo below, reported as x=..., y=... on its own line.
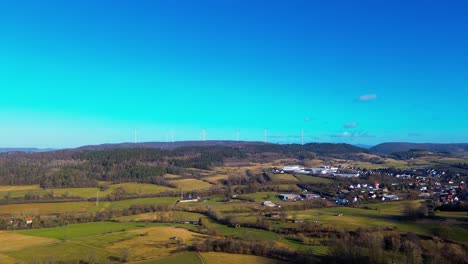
x=214, y=257
x=191, y=184
x=124, y=221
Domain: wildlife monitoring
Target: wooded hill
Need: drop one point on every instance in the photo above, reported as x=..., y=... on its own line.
x=83, y=168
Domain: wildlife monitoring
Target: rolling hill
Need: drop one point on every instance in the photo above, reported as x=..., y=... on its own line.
x=393, y=147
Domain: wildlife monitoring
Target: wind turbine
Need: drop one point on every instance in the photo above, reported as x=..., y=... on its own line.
x=237, y=135
x=265, y=135
x=135, y=136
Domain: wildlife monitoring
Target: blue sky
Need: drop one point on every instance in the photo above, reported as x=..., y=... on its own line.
x=366, y=72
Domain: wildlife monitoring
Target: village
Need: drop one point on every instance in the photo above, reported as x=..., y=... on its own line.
x=440, y=187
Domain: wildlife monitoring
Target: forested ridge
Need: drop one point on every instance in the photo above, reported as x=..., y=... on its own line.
x=83, y=168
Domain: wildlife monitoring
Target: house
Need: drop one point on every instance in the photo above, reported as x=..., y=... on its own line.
x=310, y=196
x=189, y=200
x=341, y=201
x=269, y=204
x=291, y=168
x=390, y=198
x=346, y=175
x=289, y=197
x=28, y=220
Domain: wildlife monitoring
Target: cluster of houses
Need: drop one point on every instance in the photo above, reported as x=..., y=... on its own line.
x=322, y=170
x=442, y=186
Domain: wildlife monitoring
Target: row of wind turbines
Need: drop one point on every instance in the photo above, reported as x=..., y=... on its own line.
x=265, y=133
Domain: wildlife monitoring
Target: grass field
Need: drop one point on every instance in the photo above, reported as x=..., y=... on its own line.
x=14, y=241
x=313, y=179
x=225, y=258
x=5, y=259
x=384, y=215
x=154, y=242
x=67, y=252
x=178, y=216
x=130, y=188
x=191, y=184
x=52, y=208
x=283, y=178
x=216, y=179
x=7, y=188
x=180, y=258
x=262, y=196
x=143, y=201
x=83, y=230
x=101, y=242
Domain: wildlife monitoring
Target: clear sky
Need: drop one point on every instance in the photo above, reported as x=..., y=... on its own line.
x=88, y=72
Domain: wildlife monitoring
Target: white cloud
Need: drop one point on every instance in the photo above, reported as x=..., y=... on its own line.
x=350, y=125
x=347, y=134
x=367, y=97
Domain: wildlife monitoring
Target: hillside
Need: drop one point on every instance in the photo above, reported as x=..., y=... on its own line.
x=172, y=145
x=389, y=148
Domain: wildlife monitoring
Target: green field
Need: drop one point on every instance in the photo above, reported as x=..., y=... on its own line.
x=63, y=251
x=313, y=179
x=180, y=258
x=191, y=184
x=35, y=209
x=178, y=216
x=283, y=178
x=130, y=188
x=83, y=230
x=262, y=196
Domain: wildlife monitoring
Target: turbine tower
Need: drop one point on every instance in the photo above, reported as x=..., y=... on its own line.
x=135, y=136
x=237, y=135
x=172, y=136
x=265, y=135
x=204, y=134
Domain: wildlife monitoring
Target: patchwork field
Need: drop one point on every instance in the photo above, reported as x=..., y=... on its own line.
x=129, y=188
x=179, y=258
x=190, y=184
x=262, y=196
x=79, y=207
x=101, y=242
x=14, y=241
x=63, y=251
x=154, y=242
x=83, y=230
x=170, y=216
x=215, y=257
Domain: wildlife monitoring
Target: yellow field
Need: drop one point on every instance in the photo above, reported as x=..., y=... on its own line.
x=18, y=188
x=153, y=242
x=10, y=241
x=50, y=208
x=171, y=176
x=216, y=178
x=226, y=258
x=4, y=259
x=191, y=184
